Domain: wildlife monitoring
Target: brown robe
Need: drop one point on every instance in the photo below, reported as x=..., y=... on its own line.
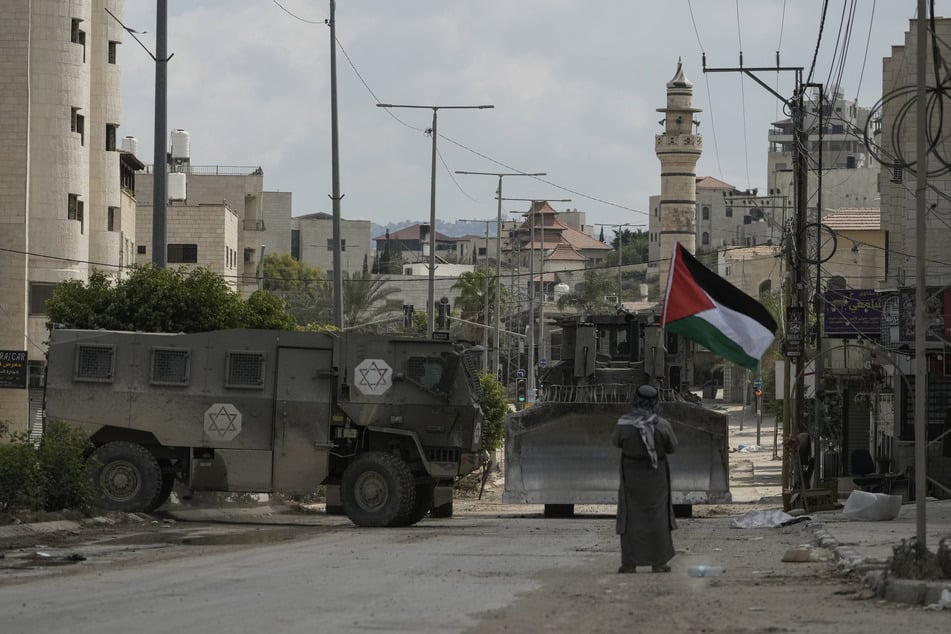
x=644, y=512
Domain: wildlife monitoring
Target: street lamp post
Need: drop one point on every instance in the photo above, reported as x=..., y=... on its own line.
x=536, y=335
x=498, y=251
x=618, y=230
x=431, y=308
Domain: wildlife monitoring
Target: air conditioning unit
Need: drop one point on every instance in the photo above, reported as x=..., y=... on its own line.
x=611, y=299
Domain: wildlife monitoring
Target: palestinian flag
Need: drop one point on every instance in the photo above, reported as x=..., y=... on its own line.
x=703, y=307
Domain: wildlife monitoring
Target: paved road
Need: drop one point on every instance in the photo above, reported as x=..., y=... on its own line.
x=476, y=572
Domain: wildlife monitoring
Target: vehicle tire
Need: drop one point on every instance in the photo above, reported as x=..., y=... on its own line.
x=165, y=491
x=559, y=510
x=377, y=489
x=422, y=505
x=127, y=477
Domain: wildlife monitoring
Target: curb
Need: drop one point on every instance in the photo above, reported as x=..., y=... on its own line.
x=875, y=574
x=66, y=526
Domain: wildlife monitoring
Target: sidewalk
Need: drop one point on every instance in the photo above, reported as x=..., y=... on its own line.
x=866, y=547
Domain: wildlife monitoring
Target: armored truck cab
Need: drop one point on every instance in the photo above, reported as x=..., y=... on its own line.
x=386, y=424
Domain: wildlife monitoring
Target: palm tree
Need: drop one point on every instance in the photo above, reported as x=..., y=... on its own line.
x=364, y=297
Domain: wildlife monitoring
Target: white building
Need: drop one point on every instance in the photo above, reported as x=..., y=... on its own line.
x=66, y=209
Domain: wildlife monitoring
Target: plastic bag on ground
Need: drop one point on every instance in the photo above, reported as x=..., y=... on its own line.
x=872, y=507
x=765, y=519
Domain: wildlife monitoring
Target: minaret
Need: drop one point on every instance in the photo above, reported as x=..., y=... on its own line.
x=678, y=150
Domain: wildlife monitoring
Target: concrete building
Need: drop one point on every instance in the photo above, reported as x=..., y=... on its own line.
x=312, y=243
x=678, y=149
x=849, y=172
x=263, y=218
x=67, y=190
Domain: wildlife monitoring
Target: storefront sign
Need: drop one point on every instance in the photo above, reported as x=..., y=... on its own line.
x=13, y=369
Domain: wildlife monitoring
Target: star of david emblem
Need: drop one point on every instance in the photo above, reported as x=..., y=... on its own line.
x=372, y=376
x=222, y=421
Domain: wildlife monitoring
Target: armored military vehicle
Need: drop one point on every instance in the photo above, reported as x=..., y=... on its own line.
x=385, y=424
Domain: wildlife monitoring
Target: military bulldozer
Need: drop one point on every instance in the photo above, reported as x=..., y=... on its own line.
x=558, y=452
x=385, y=424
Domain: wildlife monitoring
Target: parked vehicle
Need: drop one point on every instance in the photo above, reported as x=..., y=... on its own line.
x=385, y=424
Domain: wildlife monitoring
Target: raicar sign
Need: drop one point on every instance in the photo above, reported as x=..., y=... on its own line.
x=13, y=369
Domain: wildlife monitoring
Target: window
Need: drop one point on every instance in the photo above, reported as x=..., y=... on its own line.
x=295, y=244
x=40, y=293
x=245, y=369
x=95, y=363
x=113, y=49
x=425, y=371
x=112, y=217
x=705, y=213
x=140, y=249
x=74, y=210
x=77, y=35
x=111, y=129
x=77, y=124
x=170, y=366
x=182, y=254
x=330, y=244
x=729, y=212
x=897, y=171
x=705, y=238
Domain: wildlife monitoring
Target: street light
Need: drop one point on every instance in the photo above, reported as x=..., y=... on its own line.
x=536, y=336
x=620, y=249
x=498, y=249
x=431, y=308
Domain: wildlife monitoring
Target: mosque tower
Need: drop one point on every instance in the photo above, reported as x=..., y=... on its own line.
x=678, y=150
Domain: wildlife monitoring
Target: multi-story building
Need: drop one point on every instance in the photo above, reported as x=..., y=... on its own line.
x=260, y=220
x=312, y=243
x=67, y=190
x=849, y=172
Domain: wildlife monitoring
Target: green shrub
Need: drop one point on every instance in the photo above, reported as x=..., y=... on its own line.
x=21, y=480
x=494, y=406
x=67, y=475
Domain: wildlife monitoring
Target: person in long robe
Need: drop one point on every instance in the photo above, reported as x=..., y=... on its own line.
x=645, y=516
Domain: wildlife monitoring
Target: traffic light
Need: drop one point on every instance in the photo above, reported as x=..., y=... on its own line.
x=520, y=393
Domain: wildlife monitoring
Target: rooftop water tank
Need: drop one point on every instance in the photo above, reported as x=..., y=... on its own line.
x=130, y=144
x=181, y=144
x=176, y=186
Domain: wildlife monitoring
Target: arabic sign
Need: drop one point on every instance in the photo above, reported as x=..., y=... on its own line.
x=853, y=313
x=13, y=369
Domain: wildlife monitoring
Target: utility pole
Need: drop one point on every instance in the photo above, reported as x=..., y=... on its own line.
x=796, y=312
x=159, y=156
x=431, y=307
x=485, y=309
x=921, y=281
x=498, y=254
x=335, y=174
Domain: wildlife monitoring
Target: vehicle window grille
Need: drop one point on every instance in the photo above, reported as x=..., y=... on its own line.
x=442, y=455
x=425, y=371
x=170, y=366
x=471, y=362
x=245, y=369
x=95, y=363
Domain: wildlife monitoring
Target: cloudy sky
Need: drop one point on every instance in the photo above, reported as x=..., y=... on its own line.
x=575, y=85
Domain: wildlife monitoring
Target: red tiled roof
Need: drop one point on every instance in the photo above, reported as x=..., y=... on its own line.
x=854, y=220
x=563, y=252
x=547, y=277
x=582, y=240
x=412, y=233
x=709, y=182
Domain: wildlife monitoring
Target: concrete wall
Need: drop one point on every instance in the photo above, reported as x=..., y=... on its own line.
x=315, y=251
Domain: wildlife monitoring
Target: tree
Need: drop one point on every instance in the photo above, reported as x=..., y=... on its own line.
x=364, y=297
x=154, y=300
x=588, y=296
x=307, y=293
x=472, y=287
x=636, y=246
x=494, y=406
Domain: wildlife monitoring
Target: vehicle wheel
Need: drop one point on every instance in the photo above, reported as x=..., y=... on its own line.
x=559, y=510
x=442, y=511
x=424, y=502
x=168, y=483
x=377, y=489
x=127, y=477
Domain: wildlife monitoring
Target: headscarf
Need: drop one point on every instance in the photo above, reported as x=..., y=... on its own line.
x=643, y=416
